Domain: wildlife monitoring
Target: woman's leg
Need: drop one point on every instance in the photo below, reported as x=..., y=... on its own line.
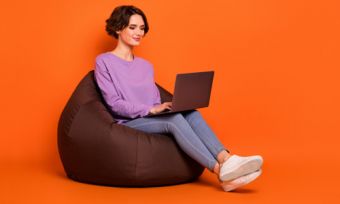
x=186, y=138
x=207, y=136
x=190, y=143
x=235, y=172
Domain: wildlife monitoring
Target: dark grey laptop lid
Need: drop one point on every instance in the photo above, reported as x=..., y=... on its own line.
x=192, y=90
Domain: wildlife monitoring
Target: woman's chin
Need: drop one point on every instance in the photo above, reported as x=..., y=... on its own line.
x=134, y=43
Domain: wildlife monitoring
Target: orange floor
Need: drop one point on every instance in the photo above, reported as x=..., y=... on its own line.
x=282, y=182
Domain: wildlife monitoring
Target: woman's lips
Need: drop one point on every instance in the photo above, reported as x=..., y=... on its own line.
x=136, y=39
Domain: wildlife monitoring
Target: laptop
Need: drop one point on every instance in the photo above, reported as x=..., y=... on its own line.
x=192, y=91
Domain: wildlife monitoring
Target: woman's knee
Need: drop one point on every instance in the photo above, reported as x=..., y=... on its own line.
x=195, y=113
x=192, y=114
x=176, y=119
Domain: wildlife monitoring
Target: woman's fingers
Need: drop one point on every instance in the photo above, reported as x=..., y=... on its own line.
x=166, y=106
x=169, y=104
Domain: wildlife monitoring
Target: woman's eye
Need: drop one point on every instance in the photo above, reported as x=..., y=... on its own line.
x=132, y=28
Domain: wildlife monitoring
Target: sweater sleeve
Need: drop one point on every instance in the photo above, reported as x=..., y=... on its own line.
x=114, y=101
x=157, y=96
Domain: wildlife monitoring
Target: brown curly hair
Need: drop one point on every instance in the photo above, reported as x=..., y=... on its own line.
x=120, y=18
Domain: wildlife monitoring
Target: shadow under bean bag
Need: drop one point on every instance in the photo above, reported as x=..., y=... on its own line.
x=95, y=149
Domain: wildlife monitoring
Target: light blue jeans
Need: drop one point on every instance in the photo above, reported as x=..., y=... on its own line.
x=190, y=131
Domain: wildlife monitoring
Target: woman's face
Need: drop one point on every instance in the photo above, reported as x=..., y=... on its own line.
x=133, y=33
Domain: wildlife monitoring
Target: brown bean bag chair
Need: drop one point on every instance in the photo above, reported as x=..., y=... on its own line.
x=95, y=149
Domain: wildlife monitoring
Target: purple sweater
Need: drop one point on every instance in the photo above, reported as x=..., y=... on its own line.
x=128, y=87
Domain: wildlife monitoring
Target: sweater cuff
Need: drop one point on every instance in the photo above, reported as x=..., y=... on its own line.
x=146, y=110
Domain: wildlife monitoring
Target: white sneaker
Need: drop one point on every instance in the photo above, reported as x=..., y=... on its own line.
x=241, y=181
x=237, y=166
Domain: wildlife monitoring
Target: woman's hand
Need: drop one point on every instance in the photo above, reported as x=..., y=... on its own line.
x=161, y=107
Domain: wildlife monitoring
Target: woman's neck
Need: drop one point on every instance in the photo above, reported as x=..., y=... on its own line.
x=123, y=51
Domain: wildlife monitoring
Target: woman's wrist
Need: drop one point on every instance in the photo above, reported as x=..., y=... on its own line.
x=151, y=111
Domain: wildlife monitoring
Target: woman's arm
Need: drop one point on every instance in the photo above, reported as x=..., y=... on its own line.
x=111, y=97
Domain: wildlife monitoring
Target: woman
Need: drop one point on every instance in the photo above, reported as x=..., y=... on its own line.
x=127, y=85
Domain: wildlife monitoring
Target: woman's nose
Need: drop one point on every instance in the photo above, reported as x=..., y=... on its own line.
x=140, y=32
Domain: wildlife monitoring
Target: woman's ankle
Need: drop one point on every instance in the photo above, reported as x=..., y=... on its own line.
x=216, y=169
x=223, y=156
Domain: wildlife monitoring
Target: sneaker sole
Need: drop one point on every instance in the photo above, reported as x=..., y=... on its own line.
x=247, y=167
x=230, y=187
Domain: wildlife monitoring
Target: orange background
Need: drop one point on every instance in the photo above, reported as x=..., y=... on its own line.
x=275, y=92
